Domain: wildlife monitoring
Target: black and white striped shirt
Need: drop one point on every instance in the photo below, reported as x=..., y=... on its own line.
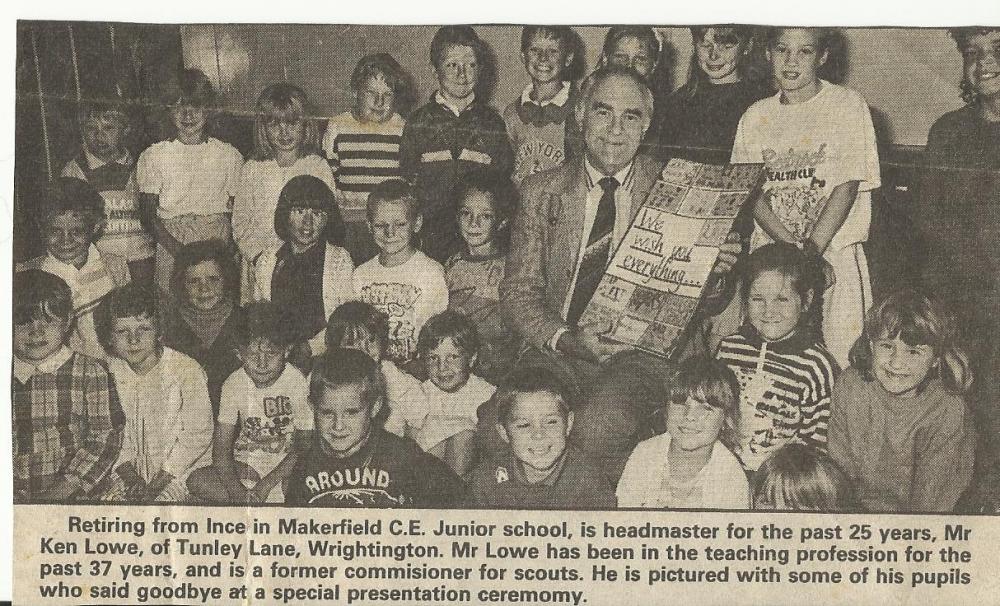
x=361, y=155
x=785, y=389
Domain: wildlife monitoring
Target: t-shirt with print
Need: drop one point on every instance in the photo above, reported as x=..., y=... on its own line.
x=388, y=471
x=409, y=293
x=190, y=179
x=265, y=417
x=538, y=131
x=123, y=233
x=809, y=149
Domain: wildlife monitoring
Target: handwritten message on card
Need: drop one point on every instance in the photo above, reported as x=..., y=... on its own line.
x=659, y=272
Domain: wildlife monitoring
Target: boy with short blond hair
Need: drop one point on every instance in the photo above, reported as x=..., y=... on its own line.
x=401, y=281
x=355, y=463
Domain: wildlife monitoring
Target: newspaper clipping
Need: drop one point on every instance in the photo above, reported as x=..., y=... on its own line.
x=537, y=314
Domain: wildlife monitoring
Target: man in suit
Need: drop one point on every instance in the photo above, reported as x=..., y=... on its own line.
x=568, y=225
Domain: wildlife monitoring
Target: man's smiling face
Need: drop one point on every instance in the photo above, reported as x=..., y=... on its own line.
x=614, y=118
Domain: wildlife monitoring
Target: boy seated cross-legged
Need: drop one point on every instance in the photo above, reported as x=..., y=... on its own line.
x=164, y=394
x=264, y=417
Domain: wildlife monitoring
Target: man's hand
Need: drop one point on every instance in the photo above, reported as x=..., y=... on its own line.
x=583, y=344
x=729, y=253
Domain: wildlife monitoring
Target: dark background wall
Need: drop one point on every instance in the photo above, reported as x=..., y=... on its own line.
x=59, y=63
x=908, y=76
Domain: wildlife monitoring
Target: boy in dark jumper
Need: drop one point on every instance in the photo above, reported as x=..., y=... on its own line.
x=541, y=470
x=452, y=134
x=353, y=462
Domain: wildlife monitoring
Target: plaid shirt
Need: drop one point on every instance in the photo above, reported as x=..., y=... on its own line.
x=67, y=424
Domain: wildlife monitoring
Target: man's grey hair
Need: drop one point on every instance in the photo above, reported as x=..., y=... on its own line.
x=603, y=73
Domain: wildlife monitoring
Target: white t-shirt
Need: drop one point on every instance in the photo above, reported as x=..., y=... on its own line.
x=407, y=400
x=265, y=417
x=451, y=413
x=409, y=294
x=260, y=184
x=190, y=179
x=168, y=416
x=809, y=149
x=721, y=483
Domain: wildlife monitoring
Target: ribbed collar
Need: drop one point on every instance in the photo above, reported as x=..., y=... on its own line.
x=796, y=342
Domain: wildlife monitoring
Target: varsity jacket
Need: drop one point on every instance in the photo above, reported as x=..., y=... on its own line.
x=437, y=149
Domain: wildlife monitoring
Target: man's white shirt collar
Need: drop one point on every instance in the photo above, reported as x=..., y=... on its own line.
x=594, y=176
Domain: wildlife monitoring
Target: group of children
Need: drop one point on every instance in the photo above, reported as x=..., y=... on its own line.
x=333, y=305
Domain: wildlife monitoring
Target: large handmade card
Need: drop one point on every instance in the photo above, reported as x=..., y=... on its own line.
x=660, y=270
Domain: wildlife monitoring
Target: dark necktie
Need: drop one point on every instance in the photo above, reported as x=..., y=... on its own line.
x=595, y=256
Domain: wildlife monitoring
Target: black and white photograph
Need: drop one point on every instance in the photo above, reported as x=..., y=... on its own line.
x=315, y=312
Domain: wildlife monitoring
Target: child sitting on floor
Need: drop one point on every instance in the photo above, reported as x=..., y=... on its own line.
x=67, y=419
x=691, y=465
x=899, y=426
x=448, y=345
x=542, y=471
x=785, y=373
x=164, y=394
x=800, y=478
x=355, y=463
x=264, y=419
